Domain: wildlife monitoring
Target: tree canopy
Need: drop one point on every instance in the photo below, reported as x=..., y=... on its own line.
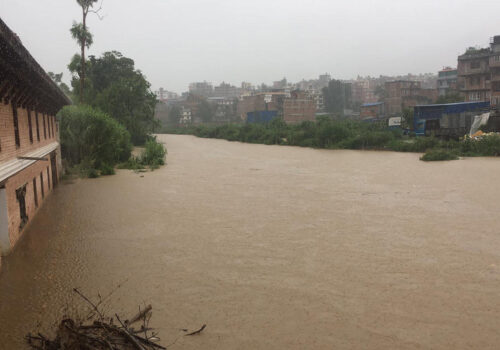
x=114, y=86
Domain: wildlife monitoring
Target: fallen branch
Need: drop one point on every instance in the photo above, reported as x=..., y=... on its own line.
x=198, y=331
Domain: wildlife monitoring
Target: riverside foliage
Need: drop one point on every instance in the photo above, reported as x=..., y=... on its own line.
x=344, y=134
x=92, y=140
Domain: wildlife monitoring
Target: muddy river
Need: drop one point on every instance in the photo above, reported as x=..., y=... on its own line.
x=272, y=247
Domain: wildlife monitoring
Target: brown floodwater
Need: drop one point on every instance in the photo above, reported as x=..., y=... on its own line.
x=273, y=247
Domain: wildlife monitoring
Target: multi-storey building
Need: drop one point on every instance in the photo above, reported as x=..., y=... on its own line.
x=403, y=94
x=227, y=91
x=299, y=107
x=293, y=107
x=203, y=89
x=447, y=81
x=495, y=71
x=474, y=77
x=30, y=158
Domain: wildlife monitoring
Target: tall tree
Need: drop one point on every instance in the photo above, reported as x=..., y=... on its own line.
x=118, y=89
x=80, y=33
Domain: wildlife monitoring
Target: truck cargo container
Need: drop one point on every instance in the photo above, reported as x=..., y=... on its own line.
x=451, y=120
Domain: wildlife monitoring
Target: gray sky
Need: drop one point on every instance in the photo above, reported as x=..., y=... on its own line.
x=175, y=42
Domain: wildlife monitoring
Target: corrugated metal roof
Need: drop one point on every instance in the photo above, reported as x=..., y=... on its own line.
x=15, y=165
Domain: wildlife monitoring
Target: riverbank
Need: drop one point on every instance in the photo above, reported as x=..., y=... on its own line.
x=345, y=134
x=273, y=248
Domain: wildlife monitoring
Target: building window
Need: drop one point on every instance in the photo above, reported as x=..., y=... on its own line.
x=16, y=126
x=48, y=178
x=497, y=58
x=30, y=126
x=35, y=193
x=475, y=65
x=37, y=127
x=41, y=185
x=44, y=127
x=52, y=125
x=21, y=198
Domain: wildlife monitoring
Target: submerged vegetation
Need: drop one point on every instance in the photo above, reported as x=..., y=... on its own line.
x=346, y=134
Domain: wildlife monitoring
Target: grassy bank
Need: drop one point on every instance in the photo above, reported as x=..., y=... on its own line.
x=346, y=134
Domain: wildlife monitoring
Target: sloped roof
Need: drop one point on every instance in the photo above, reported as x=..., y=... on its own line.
x=22, y=80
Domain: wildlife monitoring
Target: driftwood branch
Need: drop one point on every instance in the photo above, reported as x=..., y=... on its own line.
x=198, y=331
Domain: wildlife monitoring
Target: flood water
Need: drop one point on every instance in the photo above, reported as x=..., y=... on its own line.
x=273, y=247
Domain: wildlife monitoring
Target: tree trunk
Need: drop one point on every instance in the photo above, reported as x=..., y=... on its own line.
x=82, y=77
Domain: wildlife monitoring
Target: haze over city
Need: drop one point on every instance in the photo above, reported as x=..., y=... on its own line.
x=176, y=42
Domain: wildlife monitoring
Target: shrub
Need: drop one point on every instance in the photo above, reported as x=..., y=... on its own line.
x=153, y=154
x=439, y=154
x=92, y=138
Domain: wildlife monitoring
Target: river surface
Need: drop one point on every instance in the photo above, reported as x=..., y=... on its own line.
x=273, y=248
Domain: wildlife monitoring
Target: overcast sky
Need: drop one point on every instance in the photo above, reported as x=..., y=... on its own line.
x=175, y=42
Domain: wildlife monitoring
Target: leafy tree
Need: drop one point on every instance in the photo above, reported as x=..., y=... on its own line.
x=57, y=78
x=380, y=92
x=407, y=119
x=118, y=89
x=205, y=111
x=83, y=37
x=336, y=96
x=174, y=114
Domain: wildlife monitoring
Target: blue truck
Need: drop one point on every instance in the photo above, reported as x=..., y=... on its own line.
x=451, y=120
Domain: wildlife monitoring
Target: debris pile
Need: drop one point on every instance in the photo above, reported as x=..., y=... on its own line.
x=102, y=333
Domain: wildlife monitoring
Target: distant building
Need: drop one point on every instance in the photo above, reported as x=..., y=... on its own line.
x=203, y=89
x=227, y=91
x=403, y=94
x=186, y=116
x=474, y=77
x=299, y=107
x=293, y=107
x=372, y=110
x=495, y=71
x=164, y=95
x=447, y=81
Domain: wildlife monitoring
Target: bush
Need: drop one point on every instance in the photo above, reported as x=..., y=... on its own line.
x=439, y=154
x=153, y=154
x=93, y=139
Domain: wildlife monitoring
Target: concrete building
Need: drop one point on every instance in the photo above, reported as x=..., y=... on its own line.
x=227, y=91
x=203, y=89
x=447, y=81
x=30, y=157
x=495, y=71
x=474, y=77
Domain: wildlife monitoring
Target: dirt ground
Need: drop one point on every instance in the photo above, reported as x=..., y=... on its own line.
x=273, y=248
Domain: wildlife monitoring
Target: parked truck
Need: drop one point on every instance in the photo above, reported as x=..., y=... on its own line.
x=451, y=120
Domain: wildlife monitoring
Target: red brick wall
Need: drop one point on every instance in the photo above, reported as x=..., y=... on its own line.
x=8, y=149
x=25, y=177
x=296, y=110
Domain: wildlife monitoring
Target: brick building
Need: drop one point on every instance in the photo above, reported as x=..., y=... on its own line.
x=30, y=158
x=401, y=94
x=293, y=107
x=372, y=110
x=299, y=107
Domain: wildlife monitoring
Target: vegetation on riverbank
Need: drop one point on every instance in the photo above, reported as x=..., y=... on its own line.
x=92, y=142
x=345, y=134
